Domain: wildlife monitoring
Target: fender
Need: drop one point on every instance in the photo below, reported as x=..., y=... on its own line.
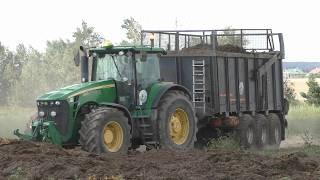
x=120, y=107
x=167, y=88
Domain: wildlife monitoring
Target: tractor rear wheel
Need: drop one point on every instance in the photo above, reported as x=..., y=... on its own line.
x=275, y=130
x=105, y=130
x=176, y=121
x=247, y=131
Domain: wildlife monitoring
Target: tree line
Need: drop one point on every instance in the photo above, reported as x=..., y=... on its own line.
x=27, y=73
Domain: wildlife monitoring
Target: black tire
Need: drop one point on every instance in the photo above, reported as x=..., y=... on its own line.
x=274, y=130
x=93, y=127
x=169, y=104
x=247, y=132
x=262, y=131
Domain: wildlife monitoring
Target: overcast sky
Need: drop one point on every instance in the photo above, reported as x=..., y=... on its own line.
x=32, y=22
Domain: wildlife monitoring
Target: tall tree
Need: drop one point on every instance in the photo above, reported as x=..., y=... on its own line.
x=85, y=35
x=313, y=94
x=43, y=72
x=289, y=92
x=6, y=73
x=133, y=31
x=229, y=38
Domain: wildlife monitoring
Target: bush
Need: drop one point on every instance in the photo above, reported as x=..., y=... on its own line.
x=313, y=95
x=228, y=142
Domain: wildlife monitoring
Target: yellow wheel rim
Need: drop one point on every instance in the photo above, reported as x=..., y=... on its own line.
x=113, y=136
x=179, y=126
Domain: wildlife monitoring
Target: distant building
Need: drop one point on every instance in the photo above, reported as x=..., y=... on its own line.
x=293, y=73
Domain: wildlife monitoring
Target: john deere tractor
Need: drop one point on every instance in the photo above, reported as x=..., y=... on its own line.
x=120, y=104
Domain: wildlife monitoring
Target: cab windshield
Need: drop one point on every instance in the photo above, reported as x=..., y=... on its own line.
x=113, y=66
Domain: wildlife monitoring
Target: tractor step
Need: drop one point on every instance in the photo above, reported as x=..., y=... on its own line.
x=148, y=134
x=146, y=131
x=151, y=142
x=144, y=125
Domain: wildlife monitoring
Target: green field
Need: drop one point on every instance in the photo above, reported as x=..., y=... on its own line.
x=304, y=118
x=303, y=126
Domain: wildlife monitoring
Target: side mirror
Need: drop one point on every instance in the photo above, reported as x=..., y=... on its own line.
x=81, y=58
x=143, y=56
x=79, y=55
x=76, y=58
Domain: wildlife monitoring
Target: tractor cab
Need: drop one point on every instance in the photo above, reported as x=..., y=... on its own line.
x=131, y=68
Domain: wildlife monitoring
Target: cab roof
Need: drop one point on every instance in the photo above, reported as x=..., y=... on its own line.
x=137, y=49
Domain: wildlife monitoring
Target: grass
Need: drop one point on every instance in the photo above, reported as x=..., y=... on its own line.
x=229, y=142
x=304, y=118
x=12, y=118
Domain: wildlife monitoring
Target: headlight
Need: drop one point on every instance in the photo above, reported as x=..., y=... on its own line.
x=41, y=113
x=58, y=103
x=53, y=114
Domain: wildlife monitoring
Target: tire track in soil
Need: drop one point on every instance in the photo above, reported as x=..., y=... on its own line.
x=40, y=160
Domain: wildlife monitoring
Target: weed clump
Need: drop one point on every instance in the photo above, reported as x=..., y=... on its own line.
x=228, y=142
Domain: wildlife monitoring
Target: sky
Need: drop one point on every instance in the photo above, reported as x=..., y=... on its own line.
x=33, y=22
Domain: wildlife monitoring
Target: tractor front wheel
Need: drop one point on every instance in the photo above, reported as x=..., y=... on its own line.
x=105, y=130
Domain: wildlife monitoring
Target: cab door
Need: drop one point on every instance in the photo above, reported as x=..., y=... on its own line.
x=125, y=85
x=147, y=72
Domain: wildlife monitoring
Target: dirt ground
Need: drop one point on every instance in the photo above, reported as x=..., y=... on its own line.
x=44, y=161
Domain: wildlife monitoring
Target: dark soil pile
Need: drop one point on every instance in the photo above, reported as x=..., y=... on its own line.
x=225, y=48
x=43, y=161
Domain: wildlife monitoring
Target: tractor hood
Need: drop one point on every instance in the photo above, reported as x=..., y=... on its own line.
x=76, y=89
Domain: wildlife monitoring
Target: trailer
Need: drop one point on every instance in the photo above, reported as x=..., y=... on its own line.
x=234, y=76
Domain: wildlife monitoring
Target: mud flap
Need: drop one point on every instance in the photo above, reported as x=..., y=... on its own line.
x=53, y=135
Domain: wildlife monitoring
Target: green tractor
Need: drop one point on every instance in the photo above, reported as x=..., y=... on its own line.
x=122, y=103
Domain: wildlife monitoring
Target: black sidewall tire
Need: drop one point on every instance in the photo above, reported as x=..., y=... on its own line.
x=168, y=109
x=246, y=122
x=274, y=123
x=91, y=131
x=126, y=134
x=261, y=123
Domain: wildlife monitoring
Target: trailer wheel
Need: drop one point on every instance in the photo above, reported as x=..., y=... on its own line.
x=262, y=131
x=275, y=130
x=247, y=131
x=105, y=130
x=176, y=121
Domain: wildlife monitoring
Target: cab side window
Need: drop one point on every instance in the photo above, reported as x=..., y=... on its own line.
x=148, y=71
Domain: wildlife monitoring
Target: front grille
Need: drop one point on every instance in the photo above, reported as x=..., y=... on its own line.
x=62, y=110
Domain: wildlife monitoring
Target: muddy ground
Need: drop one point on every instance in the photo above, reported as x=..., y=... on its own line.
x=44, y=161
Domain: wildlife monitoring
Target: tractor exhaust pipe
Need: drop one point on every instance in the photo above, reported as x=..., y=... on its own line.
x=82, y=59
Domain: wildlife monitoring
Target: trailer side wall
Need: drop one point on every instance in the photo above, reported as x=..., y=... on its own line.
x=232, y=82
